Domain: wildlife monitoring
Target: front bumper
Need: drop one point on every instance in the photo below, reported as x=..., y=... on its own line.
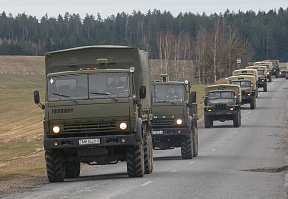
x=74, y=142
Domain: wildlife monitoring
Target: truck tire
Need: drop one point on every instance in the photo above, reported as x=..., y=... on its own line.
x=55, y=166
x=253, y=104
x=270, y=78
x=135, y=160
x=207, y=121
x=195, y=141
x=187, y=147
x=256, y=92
x=72, y=169
x=277, y=74
x=265, y=87
x=237, y=120
x=148, y=155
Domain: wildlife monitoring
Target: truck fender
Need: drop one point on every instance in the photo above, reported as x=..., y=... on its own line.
x=139, y=130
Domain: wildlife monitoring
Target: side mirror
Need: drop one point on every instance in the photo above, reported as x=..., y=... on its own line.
x=36, y=97
x=142, y=92
x=37, y=100
x=205, y=101
x=193, y=97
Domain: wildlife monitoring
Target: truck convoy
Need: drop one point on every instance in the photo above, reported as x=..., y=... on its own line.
x=97, y=110
x=248, y=88
x=222, y=102
x=174, y=117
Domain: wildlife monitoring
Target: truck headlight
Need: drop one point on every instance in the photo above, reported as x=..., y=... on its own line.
x=232, y=109
x=123, y=126
x=56, y=129
x=179, y=121
x=249, y=94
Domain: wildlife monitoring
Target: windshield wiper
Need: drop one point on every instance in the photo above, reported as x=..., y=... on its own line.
x=66, y=96
x=105, y=94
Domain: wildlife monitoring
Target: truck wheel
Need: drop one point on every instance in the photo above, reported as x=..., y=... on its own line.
x=55, y=166
x=256, y=92
x=207, y=122
x=195, y=141
x=135, y=160
x=236, y=120
x=148, y=155
x=277, y=74
x=253, y=104
x=72, y=169
x=265, y=87
x=270, y=78
x=186, y=147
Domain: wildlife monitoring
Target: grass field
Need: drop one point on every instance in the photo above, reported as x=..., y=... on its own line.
x=21, y=130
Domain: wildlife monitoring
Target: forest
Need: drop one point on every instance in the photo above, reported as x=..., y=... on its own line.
x=208, y=44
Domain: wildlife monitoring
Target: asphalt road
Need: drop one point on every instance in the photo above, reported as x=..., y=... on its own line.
x=244, y=162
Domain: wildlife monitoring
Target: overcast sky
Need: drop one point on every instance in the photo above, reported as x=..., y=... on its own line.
x=106, y=8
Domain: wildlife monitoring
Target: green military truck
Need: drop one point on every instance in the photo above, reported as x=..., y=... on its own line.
x=97, y=110
x=222, y=102
x=174, y=117
x=248, y=88
x=275, y=67
x=251, y=72
x=262, y=76
x=268, y=66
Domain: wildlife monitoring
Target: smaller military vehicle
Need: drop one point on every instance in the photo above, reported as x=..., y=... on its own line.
x=275, y=67
x=248, y=88
x=268, y=66
x=222, y=102
x=174, y=122
x=262, y=76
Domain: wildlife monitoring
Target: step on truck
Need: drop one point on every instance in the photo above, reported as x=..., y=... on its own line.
x=174, y=117
x=248, y=87
x=97, y=110
x=222, y=102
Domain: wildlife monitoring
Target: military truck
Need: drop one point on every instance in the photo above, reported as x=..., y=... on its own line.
x=268, y=66
x=275, y=67
x=283, y=71
x=251, y=72
x=262, y=78
x=248, y=88
x=222, y=102
x=97, y=110
x=174, y=117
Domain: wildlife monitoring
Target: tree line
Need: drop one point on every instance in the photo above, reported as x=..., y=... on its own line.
x=211, y=43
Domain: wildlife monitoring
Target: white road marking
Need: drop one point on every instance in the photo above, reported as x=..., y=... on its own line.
x=246, y=117
x=214, y=150
x=249, y=112
x=236, y=131
x=220, y=145
x=191, y=162
x=146, y=183
x=173, y=171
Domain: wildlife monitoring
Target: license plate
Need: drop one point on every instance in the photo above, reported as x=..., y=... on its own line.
x=89, y=141
x=157, y=132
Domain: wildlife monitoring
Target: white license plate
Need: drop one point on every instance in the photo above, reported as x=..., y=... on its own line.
x=89, y=141
x=157, y=132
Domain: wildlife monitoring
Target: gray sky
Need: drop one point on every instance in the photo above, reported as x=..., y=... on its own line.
x=106, y=8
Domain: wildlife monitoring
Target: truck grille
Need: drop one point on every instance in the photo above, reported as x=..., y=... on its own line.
x=220, y=106
x=89, y=128
x=163, y=123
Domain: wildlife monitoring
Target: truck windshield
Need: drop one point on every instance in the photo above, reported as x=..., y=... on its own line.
x=88, y=86
x=168, y=93
x=242, y=83
x=260, y=72
x=220, y=95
